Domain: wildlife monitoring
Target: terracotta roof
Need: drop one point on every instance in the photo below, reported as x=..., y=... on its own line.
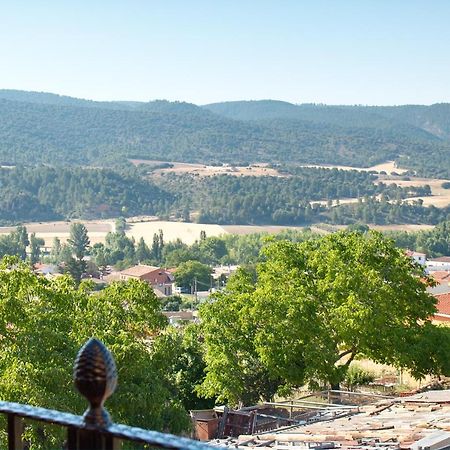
x=392, y=423
x=443, y=304
x=411, y=253
x=440, y=276
x=138, y=271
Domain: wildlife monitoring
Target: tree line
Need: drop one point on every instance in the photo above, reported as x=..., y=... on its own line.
x=46, y=193
x=310, y=195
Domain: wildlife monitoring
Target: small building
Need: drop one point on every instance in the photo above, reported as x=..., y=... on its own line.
x=442, y=263
x=420, y=258
x=161, y=279
x=224, y=270
x=178, y=318
x=45, y=269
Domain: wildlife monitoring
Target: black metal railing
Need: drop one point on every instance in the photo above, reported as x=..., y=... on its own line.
x=95, y=377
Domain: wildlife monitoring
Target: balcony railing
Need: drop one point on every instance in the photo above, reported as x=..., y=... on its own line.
x=95, y=377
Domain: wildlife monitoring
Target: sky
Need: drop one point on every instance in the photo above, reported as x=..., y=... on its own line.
x=375, y=52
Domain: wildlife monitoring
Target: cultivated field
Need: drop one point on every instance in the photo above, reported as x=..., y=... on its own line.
x=388, y=167
x=187, y=232
x=255, y=170
x=97, y=230
x=440, y=197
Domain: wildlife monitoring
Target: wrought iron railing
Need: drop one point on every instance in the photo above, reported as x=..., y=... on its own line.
x=95, y=377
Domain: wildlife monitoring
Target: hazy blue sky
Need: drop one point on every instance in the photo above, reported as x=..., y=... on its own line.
x=341, y=51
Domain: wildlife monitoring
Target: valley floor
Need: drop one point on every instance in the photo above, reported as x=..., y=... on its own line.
x=188, y=232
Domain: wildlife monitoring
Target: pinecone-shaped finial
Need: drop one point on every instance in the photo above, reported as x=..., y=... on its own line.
x=95, y=377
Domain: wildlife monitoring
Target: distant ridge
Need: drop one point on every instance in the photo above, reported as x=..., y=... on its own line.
x=434, y=119
x=39, y=127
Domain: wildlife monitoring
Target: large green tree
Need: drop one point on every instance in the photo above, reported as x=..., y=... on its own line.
x=35, y=248
x=79, y=240
x=318, y=305
x=41, y=337
x=79, y=245
x=190, y=273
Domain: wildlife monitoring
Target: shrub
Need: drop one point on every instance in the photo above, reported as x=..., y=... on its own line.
x=357, y=377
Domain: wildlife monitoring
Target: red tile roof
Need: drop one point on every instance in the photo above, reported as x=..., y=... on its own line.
x=140, y=270
x=443, y=304
x=441, y=276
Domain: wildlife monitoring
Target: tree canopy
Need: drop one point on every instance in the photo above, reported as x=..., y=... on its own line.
x=193, y=273
x=316, y=306
x=44, y=323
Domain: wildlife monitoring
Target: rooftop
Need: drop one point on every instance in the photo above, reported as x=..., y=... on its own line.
x=443, y=304
x=138, y=271
x=395, y=423
x=441, y=259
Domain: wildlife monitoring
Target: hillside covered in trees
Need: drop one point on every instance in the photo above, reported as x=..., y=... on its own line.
x=45, y=193
x=47, y=128
x=308, y=196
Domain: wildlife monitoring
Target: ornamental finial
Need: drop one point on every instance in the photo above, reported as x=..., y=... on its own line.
x=95, y=377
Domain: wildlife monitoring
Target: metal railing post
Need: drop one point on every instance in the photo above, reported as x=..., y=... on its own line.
x=15, y=429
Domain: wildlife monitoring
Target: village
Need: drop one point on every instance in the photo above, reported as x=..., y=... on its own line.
x=165, y=287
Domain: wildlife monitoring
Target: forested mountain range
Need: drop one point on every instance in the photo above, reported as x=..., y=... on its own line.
x=47, y=128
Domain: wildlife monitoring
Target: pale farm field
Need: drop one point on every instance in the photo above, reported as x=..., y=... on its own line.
x=388, y=167
x=440, y=197
x=187, y=232
x=145, y=228
x=255, y=170
x=97, y=230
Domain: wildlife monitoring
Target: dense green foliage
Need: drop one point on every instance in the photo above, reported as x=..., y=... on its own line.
x=435, y=242
x=45, y=193
x=40, y=339
x=427, y=128
x=316, y=306
x=228, y=199
x=44, y=128
x=193, y=276
x=121, y=251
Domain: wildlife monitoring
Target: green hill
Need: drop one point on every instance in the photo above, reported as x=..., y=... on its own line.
x=56, y=130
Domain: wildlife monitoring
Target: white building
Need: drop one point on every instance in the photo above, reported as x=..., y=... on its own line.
x=420, y=258
x=442, y=263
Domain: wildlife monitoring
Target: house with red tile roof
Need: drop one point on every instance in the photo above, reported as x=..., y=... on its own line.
x=161, y=279
x=441, y=263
